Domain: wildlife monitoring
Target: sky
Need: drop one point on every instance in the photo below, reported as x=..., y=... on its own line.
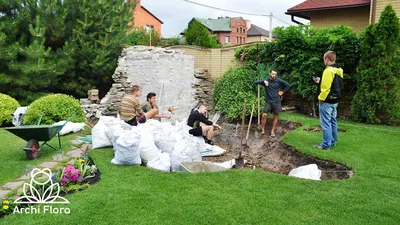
x=176, y=14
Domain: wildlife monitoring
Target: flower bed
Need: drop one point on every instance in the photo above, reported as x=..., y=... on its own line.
x=50, y=186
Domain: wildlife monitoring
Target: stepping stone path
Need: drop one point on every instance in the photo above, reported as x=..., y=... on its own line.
x=74, y=152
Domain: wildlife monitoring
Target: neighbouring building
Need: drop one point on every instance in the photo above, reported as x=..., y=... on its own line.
x=143, y=18
x=229, y=31
x=257, y=34
x=356, y=14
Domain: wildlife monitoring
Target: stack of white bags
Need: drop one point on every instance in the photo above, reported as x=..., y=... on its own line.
x=161, y=146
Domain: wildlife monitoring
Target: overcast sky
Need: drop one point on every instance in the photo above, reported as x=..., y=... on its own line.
x=177, y=13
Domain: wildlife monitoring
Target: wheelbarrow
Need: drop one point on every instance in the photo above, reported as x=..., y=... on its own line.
x=35, y=133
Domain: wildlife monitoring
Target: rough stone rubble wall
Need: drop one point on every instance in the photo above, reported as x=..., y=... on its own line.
x=159, y=70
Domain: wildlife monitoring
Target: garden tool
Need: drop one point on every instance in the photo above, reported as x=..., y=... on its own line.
x=239, y=162
x=248, y=128
x=258, y=131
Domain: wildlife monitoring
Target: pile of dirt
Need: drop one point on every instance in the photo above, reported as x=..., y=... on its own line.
x=319, y=129
x=270, y=153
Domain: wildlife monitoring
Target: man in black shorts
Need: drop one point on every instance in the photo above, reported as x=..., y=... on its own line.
x=274, y=89
x=201, y=125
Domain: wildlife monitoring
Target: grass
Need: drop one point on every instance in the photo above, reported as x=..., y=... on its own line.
x=13, y=159
x=137, y=195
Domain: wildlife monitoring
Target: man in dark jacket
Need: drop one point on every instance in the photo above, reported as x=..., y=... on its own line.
x=201, y=125
x=330, y=88
x=273, y=87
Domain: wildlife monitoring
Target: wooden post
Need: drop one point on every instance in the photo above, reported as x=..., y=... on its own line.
x=258, y=109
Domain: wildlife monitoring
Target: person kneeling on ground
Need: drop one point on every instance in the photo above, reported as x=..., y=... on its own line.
x=201, y=125
x=131, y=111
x=151, y=104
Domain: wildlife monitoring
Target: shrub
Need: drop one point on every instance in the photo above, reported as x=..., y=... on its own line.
x=170, y=41
x=378, y=93
x=55, y=107
x=7, y=106
x=234, y=88
x=142, y=37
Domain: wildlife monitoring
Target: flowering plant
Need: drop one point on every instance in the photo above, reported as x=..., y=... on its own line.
x=7, y=205
x=76, y=173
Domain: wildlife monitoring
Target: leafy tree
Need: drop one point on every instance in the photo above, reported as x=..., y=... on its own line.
x=297, y=56
x=378, y=93
x=197, y=34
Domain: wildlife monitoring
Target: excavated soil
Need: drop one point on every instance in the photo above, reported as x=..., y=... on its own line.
x=270, y=153
x=319, y=129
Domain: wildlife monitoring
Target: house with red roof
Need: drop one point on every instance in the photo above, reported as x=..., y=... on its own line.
x=356, y=14
x=143, y=18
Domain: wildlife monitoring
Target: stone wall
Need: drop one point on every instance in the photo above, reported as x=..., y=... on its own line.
x=166, y=72
x=204, y=87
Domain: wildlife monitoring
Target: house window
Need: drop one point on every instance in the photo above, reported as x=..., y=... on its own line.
x=240, y=40
x=227, y=39
x=244, y=40
x=237, y=40
x=240, y=30
x=237, y=30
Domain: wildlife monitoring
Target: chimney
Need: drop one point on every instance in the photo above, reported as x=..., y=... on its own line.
x=248, y=24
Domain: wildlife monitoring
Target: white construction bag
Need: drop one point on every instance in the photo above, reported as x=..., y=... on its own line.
x=185, y=150
x=127, y=149
x=161, y=162
x=310, y=172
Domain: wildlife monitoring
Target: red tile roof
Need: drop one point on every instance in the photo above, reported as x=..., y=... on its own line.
x=311, y=5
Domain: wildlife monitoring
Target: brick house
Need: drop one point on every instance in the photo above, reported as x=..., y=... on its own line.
x=356, y=14
x=144, y=18
x=229, y=31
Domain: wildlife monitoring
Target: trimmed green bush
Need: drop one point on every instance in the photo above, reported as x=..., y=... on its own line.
x=55, y=107
x=8, y=105
x=234, y=88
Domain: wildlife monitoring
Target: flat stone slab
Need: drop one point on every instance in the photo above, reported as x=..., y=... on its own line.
x=3, y=193
x=86, y=145
x=49, y=165
x=76, y=142
x=59, y=157
x=75, y=153
x=24, y=177
x=13, y=185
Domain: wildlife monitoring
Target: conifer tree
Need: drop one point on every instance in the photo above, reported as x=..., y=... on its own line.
x=377, y=99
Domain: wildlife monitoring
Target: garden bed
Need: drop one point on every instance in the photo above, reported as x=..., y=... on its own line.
x=270, y=153
x=70, y=188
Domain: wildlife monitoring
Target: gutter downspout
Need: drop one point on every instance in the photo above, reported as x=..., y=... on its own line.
x=295, y=21
x=373, y=13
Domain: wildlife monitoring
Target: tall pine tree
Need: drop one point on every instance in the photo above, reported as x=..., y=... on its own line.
x=66, y=46
x=377, y=99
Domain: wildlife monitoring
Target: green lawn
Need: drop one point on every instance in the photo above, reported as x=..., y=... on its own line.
x=13, y=159
x=137, y=195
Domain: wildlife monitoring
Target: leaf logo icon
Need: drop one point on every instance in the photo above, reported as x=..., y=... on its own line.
x=41, y=189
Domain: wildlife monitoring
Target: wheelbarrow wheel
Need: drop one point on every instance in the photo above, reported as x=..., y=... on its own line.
x=33, y=144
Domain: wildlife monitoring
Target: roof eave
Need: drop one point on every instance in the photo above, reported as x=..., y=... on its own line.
x=155, y=17
x=303, y=16
x=291, y=12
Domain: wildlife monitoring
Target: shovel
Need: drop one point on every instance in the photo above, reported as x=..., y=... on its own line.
x=239, y=162
x=258, y=132
x=248, y=128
